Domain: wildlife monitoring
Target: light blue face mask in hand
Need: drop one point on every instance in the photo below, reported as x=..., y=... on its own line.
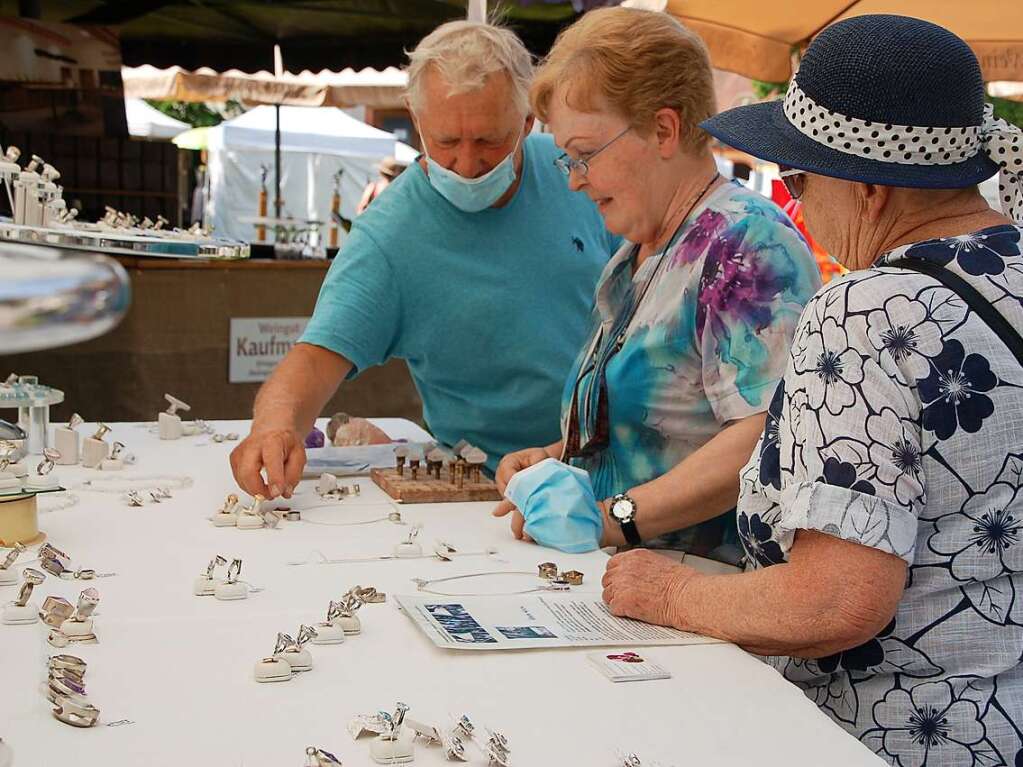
x=559, y=506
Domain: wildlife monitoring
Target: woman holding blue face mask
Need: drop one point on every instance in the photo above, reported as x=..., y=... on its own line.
x=693, y=314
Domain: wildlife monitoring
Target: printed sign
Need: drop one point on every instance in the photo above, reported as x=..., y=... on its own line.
x=257, y=344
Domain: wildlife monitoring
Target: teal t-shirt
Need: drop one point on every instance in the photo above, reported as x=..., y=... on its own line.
x=488, y=309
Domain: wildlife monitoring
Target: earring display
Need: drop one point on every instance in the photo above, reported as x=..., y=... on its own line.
x=463, y=479
x=8, y=576
x=67, y=441
x=22, y=610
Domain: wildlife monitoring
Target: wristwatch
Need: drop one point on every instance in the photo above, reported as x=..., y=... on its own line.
x=623, y=511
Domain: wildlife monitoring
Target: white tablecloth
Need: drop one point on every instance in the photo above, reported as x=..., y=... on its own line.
x=180, y=666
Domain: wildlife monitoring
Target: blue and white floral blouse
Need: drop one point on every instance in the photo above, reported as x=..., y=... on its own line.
x=899, y=425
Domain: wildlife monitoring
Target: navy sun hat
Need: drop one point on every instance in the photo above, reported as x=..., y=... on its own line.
x=887, y=100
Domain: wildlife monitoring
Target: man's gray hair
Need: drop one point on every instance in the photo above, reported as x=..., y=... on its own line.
x=465, y=53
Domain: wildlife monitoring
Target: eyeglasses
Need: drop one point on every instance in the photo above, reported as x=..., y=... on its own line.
x=794, y=180
x=566, y=164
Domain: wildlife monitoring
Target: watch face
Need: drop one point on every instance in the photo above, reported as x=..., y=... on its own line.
x=622, y=509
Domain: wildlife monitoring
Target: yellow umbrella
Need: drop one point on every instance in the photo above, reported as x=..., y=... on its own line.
x=193, y=138
x=759, y=39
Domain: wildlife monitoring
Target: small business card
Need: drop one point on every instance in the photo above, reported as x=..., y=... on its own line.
x=627, y=666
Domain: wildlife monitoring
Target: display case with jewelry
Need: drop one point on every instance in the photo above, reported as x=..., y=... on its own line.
x=33, y=401
x=23, y=610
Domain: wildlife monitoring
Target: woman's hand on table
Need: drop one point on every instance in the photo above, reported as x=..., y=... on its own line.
x=646, y=586
x=280, y=451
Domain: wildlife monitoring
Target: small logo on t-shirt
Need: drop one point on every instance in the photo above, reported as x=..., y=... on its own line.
x=578, y=244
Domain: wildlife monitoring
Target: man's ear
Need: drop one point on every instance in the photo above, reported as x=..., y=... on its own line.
x=872, y=199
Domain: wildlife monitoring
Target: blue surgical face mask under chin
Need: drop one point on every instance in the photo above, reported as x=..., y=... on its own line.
x=559, y=506
x=473, y=194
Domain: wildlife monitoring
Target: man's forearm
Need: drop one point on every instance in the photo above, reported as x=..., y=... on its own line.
x=298, y=389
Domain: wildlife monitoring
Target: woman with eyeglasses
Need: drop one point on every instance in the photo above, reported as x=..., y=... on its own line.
x=882, y=513
x=693, y=314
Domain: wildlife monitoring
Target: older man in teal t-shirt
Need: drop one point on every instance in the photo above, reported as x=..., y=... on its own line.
x=477, y=266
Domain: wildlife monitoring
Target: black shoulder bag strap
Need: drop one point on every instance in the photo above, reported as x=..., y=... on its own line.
x=977, y=303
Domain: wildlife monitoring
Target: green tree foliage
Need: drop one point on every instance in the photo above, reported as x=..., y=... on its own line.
x=198, y=114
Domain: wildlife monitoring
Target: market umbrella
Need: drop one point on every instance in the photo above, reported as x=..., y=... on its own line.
x=193, y=138
x=759, y=39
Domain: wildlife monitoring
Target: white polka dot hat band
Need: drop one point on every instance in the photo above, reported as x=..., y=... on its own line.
x=914, y=144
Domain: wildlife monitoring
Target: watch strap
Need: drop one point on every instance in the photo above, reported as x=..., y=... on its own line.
x=631, y=533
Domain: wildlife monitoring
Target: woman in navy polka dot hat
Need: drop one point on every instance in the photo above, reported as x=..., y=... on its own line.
x=882, y=510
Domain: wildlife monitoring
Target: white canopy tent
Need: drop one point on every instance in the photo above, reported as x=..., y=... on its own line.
x=145, y=121
x=316, y=142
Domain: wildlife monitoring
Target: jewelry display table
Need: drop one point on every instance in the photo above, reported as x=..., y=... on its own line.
x=180, y=667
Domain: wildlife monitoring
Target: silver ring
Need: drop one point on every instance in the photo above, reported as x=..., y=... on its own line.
x=50, y=456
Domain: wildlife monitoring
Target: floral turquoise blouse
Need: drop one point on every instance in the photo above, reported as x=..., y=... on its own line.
x=706, y=346
x=899, y=425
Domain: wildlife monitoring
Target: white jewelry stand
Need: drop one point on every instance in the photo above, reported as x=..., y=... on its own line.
x=228, y=592
x=42, y=482
x=18, y=469
x=9, y=484
x=170, y=426
x=112, y=464
x=408, y=550
x=399, y=749
x=8, y=577
x=225, y=519
x=350, y=624
x=73, y=628
x=15, y=615
x=272, y=670
x=68, y=442
x=326, y=633
x=203, y=586
x=249, y=522
x=299, y=661
x=94, y=452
